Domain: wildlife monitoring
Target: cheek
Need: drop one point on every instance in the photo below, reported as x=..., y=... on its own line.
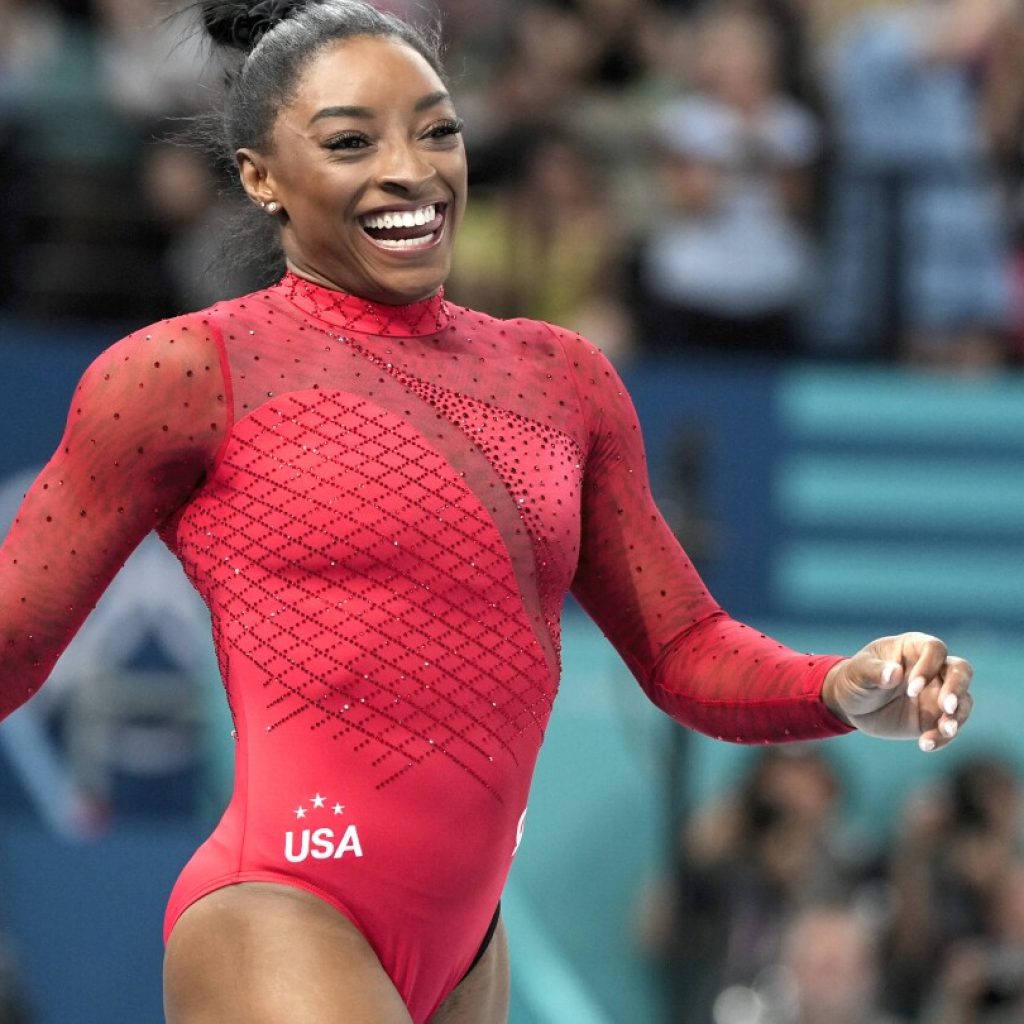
x=321, y=214
x=457, y=179
x=318, y=186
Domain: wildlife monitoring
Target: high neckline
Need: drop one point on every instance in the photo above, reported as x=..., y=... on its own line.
x=350, y=313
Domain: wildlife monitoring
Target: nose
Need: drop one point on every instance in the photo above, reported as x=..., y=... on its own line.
x=404, y=168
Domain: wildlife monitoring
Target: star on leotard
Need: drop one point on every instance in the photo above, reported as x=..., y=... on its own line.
x=338, y=808
x=318, y=801
x=300, y=812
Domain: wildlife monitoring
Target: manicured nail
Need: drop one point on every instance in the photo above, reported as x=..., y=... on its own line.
x=887, y=673
x=915, y=686
x=949, y=703
x=949, y=727
x=925, y=744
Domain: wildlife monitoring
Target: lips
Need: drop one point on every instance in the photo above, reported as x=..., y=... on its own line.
x=400, y=229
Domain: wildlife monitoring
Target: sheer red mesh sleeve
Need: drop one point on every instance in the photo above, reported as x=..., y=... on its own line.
x=703, y=668
x=143, y=430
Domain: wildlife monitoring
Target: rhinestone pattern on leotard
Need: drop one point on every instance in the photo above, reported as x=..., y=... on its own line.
x=523, y=451
x=387, y=645
x=351, y=313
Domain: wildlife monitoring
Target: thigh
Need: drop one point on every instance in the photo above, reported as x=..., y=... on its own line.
x=482, y=996
x=257, y=953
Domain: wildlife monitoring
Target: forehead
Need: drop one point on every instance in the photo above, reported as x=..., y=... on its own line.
x=377, y=72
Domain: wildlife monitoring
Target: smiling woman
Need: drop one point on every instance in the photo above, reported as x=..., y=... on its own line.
x=359, y=153
x=384, y=500
x=355, y=181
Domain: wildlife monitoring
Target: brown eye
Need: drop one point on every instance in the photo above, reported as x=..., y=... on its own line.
x=445, y=128
x=350, y=140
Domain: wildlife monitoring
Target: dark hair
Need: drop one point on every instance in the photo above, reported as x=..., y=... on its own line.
x=277, y=39
x=272, y=42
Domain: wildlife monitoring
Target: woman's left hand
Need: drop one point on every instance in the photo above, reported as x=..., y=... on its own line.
x=902, y=687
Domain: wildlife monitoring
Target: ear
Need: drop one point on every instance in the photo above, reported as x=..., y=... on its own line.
x=255, y=176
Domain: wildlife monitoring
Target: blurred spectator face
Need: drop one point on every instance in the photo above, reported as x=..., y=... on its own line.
x=128, y=15
x=688, y=186
x=667, y=45
x=736, y=59
x=610, y=12
x=554, y=42
x=986, y=798
x=557, y=173
x=828, y=954
x=798, y=789
x=179, y=184
x=1008, y=908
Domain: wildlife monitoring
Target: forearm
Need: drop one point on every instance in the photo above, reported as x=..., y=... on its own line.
x=730, y=681
x=59, y=556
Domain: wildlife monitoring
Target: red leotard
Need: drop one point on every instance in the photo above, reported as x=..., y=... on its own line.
x=384, y=508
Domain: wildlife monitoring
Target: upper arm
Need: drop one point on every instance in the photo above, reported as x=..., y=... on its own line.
x=633, y=577
x=143, y=429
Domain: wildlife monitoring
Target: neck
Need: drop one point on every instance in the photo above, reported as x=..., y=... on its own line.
x=314, y=277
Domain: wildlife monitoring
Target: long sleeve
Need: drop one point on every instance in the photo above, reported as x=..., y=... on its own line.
x=143, y=430
x=703, y=668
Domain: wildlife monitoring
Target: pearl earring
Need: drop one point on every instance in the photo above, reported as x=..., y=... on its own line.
x=272, y=207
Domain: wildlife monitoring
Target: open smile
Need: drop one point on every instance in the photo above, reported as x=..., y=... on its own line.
x=404, y=230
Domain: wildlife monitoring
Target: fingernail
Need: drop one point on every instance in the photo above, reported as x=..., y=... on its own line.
x=949, y=727
x=949, y=703
x=915, y=686
x=926, y=745
x=887, y=674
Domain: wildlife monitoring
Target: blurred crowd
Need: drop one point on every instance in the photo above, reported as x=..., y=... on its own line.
x=835, y=178
x=777, y=912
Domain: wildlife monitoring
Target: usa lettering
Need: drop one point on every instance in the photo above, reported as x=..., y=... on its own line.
x=320, y=844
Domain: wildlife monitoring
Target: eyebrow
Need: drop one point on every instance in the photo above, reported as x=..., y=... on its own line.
x=366, y=113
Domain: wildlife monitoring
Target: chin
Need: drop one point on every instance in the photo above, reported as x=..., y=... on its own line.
x=406, y=289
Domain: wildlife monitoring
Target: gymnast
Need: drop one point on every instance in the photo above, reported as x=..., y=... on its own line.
x=384, y=500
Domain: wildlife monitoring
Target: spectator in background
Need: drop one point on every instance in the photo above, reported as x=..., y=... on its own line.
x=29, y=34
x=80, y=240
x=727, y=265
x=545, y=247
x=617, y=29
x=745, y=866
x=981, y=980
x=149, y=64
x=951, y=870
x=1003, y=107
x=830, y=970
x=29, y=31
x=200, y=222
x=917, y=260
x=540, y=77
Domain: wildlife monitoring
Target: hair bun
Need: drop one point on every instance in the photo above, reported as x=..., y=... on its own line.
x=242, y=25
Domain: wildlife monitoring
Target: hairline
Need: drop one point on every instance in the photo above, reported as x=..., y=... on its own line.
x=436, y=96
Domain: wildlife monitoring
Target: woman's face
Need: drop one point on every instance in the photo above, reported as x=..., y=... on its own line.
x=369, y=167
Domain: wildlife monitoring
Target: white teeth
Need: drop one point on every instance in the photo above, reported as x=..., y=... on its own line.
x=401, y=219
x=406, y=243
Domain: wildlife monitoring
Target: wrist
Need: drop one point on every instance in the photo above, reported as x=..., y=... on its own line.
x=829, y=693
